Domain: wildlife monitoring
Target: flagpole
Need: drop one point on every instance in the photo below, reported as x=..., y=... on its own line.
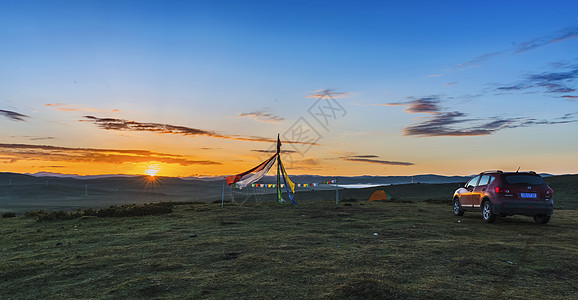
x=336, y=191
x=279, y=198
x=278, y=180
x=223, y=195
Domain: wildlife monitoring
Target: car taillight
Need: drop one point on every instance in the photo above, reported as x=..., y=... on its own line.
x=550, y=191
x=500, y=190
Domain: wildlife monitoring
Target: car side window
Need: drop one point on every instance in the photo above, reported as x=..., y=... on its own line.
x=484, y=180
x=492, y=178
x=473, y=182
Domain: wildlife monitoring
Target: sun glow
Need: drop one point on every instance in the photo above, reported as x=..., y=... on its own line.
x=152, y=170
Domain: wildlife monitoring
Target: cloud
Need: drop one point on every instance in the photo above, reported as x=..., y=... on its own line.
x=42, y=138
x=556, y=88
x=456, y=124
x=12, y=115
x=73, y=107
x=559, y=36
x=372, y=159
x=327, y=93
x=555, y=76
x=551, y=82
x=262, y=116
x=364, y=156
x=421, y=105
x=34, y=138
x=477, y=62
x=568, y=116
x=126, y=125
x=443, y=124
x=93, y=155
x=517, y=87
x=570, y=96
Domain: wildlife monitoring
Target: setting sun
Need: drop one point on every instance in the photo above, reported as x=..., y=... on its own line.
x=152, y=170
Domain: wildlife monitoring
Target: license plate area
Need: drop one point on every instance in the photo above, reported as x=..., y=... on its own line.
x=528, y=195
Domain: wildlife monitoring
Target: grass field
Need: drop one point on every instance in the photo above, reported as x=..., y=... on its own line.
x=314, y=250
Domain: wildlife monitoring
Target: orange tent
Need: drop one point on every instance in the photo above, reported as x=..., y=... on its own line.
x=378, y=195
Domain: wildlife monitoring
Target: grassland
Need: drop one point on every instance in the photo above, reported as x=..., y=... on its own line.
x=314, y=250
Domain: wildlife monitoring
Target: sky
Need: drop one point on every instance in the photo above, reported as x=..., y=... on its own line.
x=203, y=88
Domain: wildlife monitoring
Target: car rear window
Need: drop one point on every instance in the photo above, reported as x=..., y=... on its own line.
x=524, y=179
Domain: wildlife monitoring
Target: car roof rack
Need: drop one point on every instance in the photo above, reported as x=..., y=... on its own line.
x=492, y=171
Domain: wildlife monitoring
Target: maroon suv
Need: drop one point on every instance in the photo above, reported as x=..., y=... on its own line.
x=498, y=193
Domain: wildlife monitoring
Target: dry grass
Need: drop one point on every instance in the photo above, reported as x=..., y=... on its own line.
x=312, y=250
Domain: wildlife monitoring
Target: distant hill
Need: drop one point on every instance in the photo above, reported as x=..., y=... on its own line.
x=51, y=174
x=366, y=179
x=21, y=192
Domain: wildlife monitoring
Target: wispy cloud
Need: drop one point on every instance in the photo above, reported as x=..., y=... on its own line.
x=515, y=87
x=373, y=159
x=12, y=115
x=74, y=108
x=428, y=105
x=444, y=124
x=478, y=61
x=457, y=123
x=262, y=116
x=34, y=138
x=559, y=36
x=327, y=93
x=126, y=125
x=42, y=138
x=16, y=152
x=555, y=76
x=551, y=82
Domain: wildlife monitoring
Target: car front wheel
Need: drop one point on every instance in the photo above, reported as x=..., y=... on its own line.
x=487, y=214
x=458, y=211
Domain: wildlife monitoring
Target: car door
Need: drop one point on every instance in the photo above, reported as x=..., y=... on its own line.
x=467, y=191
x=479, y=191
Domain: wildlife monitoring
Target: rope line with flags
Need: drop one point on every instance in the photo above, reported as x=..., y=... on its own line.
x=296, y=185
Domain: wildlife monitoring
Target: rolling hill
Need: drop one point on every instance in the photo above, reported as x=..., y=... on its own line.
x=20, y=192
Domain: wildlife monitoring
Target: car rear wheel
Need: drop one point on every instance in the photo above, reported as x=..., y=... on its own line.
x=458, y=211
x=487, y=214
x=541, y=219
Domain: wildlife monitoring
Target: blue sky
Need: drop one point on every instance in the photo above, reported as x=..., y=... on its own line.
x=450, y=87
